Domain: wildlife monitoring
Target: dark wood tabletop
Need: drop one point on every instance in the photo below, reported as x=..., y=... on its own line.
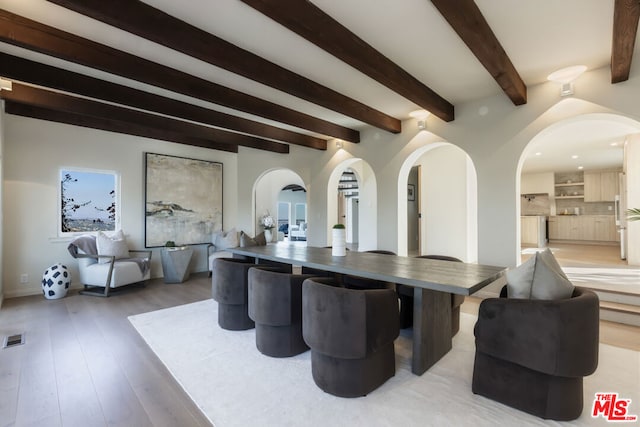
x=453, y=277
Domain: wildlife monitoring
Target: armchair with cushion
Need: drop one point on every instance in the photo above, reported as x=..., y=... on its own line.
x=220, y=242
x=534, y=347
x=533, y=354
x=106, y=263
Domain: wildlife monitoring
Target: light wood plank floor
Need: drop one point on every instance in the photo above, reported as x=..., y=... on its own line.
x=83, y=363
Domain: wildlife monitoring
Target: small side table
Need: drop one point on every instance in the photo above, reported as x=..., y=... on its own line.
x=176, y=264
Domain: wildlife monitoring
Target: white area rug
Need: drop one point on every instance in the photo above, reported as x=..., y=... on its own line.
x=235, y=385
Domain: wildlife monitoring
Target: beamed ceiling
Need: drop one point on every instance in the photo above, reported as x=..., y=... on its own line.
x=267, y=74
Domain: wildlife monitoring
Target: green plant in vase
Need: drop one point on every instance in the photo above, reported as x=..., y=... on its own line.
x=633, y=214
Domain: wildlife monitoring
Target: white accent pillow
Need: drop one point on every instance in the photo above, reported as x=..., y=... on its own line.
x=549, y=281
x=115, y=245
x=226, y=240
x=540, y=277
x=519, y=279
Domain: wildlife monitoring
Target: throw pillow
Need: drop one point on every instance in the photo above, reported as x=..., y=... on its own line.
x=226, y=240
x=115, y=245
x=519, y=279
x=246, y=240
x=540, y=277
x=549, y=281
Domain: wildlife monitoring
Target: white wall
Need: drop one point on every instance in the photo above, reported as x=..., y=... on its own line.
x=492, y=131
x=34, y=153
x=445, y=202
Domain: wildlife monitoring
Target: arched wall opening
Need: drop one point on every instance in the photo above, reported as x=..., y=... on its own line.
x=367, y=213
x=266, y=190
x=448, y=202
x=601, y=129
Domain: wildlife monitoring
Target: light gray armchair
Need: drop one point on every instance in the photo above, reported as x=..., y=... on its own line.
x=101, y=273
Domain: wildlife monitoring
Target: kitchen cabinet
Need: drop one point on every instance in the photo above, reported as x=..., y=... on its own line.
x=600, y=186
x=605, y=228
x=598, y=228
x=532, y=231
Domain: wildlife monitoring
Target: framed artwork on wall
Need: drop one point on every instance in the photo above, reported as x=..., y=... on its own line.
x=183, y=200
x=411, y=192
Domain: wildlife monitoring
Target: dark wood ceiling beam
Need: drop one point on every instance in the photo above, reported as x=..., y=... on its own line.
x=153, y=24
x=465, y=18
x=60, y=102
x=310, y=22
x=106, y=124
x=38, y=37
x=626, y=14
x=44, y=75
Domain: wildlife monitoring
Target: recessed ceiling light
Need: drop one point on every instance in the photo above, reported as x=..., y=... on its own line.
x=575, y=156
x=614, y=144
x=580, y=167
x=538, y=154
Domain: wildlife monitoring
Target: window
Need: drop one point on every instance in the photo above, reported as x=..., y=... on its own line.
x=88, y=201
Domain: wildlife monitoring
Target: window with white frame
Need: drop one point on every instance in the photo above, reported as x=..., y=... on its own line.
x=89, y=201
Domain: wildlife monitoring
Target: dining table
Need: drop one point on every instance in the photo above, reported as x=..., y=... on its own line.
x=433, y=282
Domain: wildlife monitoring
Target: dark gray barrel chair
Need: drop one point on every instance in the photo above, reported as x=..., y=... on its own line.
x=275, y=305
x=351, y=334
x=532, y=354
x=229, y=287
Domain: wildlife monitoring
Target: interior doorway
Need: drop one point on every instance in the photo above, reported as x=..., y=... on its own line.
x=348, y=205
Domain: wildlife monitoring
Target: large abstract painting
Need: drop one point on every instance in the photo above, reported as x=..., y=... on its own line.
x=183, y=200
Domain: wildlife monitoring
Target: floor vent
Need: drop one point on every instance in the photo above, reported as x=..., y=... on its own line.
x=13, y=340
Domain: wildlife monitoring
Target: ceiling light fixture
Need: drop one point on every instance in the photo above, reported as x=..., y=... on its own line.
x=421, y=116
x=575, y=156
x=338, y=143
x=5, y=84
x=580, y=167
x=565, y=77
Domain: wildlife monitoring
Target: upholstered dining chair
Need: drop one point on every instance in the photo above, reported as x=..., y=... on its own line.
x=229, y=287
x=351, y=335
x=275, y=305
x=405, y=293
x=532, y=355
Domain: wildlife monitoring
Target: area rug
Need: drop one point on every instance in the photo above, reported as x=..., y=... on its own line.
x=235, y=385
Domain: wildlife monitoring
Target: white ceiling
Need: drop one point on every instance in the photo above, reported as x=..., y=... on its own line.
x=539, y=36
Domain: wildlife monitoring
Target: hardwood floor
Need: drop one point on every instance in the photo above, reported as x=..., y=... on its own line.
x=83, y=364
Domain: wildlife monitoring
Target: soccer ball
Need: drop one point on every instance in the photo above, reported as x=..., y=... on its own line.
x=55, y=281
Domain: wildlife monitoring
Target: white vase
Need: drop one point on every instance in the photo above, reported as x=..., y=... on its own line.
x=339, y=242
x=268, y=236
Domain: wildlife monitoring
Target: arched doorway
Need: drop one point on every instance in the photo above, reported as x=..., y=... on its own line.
x=578, y=164
x=360, y=213
x=267, y=196
x=446, y=195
